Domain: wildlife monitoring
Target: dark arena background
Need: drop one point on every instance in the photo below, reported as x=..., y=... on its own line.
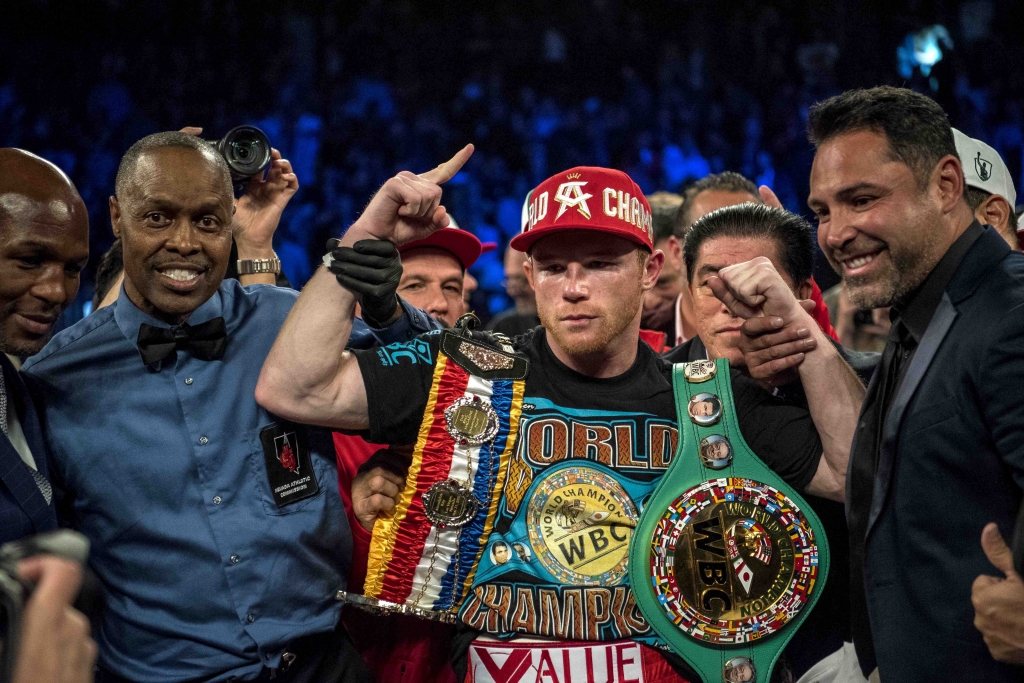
x=352, y=92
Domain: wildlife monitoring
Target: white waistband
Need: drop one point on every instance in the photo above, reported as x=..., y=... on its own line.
x=519, y=662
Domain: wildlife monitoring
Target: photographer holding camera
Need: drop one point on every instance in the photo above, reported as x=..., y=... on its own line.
x=257, y=213
x=55, y=643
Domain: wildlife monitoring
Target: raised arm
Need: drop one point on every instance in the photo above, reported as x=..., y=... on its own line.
x=308, y=375
x=778, y=334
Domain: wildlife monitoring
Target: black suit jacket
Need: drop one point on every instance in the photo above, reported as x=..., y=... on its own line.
x=23, y=510
x=951, y=460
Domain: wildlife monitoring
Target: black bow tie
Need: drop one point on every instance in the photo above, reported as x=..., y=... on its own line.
x=204, y=342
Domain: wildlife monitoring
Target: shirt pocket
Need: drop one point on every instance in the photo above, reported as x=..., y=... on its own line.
x=279, y=457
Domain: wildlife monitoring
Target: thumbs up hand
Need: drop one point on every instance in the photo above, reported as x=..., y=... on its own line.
x=999, y=602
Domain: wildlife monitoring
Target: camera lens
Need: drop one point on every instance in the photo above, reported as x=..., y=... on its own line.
x=246, y=149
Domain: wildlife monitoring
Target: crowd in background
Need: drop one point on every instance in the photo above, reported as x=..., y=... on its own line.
x=353, y=92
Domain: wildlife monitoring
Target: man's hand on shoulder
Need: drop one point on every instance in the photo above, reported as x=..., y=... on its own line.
x=408, y=206
x=999, y=602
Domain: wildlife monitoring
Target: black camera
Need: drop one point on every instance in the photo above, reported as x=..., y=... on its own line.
x=247, y=151
x=15, y=591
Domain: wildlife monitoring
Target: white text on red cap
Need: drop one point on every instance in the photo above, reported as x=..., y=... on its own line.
x=616, y=204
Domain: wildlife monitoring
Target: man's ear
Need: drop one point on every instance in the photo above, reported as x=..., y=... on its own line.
x=995, y=211
x=115, y=216
x=949, y=175
x=804, y=289
x=652, y=269
x=674, y=252
x=528, y=269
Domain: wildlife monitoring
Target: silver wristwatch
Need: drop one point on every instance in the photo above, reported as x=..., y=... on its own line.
x=258, y=266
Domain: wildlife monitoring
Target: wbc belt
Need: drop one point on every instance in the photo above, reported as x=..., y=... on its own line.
x=424, y=555
x=727, y=559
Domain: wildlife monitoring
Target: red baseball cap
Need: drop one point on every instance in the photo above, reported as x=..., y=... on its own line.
x=463, y=245
x=586, y=198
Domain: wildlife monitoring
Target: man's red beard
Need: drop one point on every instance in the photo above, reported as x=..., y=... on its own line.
x=609, y=325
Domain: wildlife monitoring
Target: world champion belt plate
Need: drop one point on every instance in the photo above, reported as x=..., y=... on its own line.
x=733, y=560
x=449, y=504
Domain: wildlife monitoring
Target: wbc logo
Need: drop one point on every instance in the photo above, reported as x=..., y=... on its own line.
x=570, y=194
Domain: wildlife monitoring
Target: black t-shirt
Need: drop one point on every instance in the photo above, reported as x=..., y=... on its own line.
x=779, y=430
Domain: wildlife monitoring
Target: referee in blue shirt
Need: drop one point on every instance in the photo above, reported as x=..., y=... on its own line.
x=216, y=527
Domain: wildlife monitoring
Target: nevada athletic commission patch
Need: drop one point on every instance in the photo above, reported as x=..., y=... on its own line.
x=580, y=521
x=733, y=560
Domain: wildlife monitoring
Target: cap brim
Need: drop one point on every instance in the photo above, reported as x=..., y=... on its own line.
x=523, y=241
x=463, y=245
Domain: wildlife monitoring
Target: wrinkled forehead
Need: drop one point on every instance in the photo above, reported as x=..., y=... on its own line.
x=430, y=263
x=180, y=174
x=848, y=159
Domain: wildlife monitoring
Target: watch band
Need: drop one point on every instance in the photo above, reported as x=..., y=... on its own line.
x=257, y=266
x=727, y=559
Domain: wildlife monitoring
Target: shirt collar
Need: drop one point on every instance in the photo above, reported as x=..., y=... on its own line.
x=129, y=317
x=919, y=307
x=680, y=331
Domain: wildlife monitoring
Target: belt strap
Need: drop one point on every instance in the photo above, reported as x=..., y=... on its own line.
x=728, y=559
x=424, y=555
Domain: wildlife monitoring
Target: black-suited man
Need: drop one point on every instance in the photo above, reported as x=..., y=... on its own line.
x=939, y=446
x=44, y=244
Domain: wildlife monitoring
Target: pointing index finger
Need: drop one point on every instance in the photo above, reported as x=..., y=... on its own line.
x=447, y=170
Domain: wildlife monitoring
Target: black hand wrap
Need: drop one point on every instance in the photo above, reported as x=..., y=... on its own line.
x=370, y=269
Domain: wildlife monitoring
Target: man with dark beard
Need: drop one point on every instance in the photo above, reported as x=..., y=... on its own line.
x=937, y=454
x=590, y=260
x=44, y=244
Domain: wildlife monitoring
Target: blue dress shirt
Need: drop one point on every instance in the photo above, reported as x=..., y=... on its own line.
x=164, y=472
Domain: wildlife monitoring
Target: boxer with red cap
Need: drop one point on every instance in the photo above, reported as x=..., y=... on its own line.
x=593, y=411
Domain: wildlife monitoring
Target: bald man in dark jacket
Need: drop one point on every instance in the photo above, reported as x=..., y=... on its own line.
x=44, y=245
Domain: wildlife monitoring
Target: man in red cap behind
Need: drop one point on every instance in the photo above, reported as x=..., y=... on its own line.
x=434, y=270
x=597, y=412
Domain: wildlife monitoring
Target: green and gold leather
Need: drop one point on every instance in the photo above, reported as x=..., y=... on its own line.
x=727, y=559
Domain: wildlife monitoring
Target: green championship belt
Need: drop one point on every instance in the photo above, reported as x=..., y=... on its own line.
x=727, y=559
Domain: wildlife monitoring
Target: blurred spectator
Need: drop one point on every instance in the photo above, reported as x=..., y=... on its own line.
x=860, y=330
x=345, y=91
x=524, y=316
x=662, y=302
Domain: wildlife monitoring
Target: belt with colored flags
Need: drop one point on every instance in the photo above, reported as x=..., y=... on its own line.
x=727, y=559
x=423, y=556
